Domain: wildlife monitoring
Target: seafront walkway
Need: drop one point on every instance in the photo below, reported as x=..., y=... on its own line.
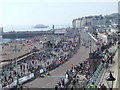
x=111, y=67
x=100, y=81
x=64, y=46
x=81, y=56
x=21, y=55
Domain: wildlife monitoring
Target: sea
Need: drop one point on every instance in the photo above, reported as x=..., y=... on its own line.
x=25, y=28
x=6, y=40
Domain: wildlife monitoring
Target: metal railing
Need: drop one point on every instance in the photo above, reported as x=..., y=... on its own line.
x=97, y=72
x=95, y=75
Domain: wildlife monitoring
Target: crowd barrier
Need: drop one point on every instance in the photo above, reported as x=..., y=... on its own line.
x=21, y=80
x=97, y=72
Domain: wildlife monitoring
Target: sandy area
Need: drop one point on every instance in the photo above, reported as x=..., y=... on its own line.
x=8, y=51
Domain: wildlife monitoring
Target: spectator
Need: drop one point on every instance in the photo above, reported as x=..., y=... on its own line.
x=56, y=87
x=92, y=85
x=103, y=87
x=111, y=59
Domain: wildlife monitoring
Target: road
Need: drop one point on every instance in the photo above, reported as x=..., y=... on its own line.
x=81, y=55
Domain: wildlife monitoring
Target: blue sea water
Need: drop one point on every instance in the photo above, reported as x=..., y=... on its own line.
x=24, y=28
x=19, y=28
x=31, y=28
x=5, y=40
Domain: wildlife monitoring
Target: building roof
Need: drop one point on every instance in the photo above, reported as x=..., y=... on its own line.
x=60, y=31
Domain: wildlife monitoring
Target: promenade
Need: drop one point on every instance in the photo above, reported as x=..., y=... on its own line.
x=40, y=60
x=35, y=63
x=101, y=80
x=81, y=55
x=105, y=72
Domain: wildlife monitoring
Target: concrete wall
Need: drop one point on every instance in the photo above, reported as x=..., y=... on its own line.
x=115, y=85
x=117, y=82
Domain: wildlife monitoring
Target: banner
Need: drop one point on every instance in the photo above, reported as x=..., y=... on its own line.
x=21, y=80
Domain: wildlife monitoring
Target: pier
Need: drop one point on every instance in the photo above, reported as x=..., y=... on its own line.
x=25, y=34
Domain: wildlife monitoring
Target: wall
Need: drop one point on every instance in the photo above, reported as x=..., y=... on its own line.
x=104, y=37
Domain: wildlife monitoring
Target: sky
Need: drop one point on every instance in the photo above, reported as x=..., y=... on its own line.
x=46, y=12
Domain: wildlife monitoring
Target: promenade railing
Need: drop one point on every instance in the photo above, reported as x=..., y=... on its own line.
x=97, y=72
x=95, y=75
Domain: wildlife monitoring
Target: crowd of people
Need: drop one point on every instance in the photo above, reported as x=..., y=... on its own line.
x=41, y=61
x=83, y=68
x=50, y=58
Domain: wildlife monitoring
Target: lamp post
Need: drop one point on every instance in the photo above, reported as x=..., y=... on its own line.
x=17, y=79
x=92, y=61
x=90, y=46
x=118, y=81
x=1, y=76
x=110, y=80
x=1, y=63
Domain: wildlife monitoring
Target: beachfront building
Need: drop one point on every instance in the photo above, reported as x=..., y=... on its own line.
x=76, y=23
x=89, y=21
x=1, y=31
x=96, y=22
x=59, y=31
x=81, y=22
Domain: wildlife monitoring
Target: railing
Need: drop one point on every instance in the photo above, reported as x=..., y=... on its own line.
x=97, y=72
x=95, y=75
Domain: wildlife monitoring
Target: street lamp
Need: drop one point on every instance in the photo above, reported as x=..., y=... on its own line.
x=1, y=76
x=90, y=46
x=91, y=60
x=118, y=60
x=110, y=80
x=17, y=79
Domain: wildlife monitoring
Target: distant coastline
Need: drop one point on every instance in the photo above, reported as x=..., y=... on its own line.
x=12, y=28
x=23, y=28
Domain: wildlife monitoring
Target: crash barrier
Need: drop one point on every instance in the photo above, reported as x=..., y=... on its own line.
x=21, y=80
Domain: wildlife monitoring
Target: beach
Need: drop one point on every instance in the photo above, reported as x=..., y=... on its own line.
x=48, y=57
x=18, y=48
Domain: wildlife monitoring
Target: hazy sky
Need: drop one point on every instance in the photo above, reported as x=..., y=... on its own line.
x=48, y=13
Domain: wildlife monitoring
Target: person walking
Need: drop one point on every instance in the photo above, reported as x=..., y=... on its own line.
x=106, y=65
x=111, y=59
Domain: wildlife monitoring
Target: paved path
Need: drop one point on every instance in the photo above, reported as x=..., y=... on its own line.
x=50, y=82
x=105, y=73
